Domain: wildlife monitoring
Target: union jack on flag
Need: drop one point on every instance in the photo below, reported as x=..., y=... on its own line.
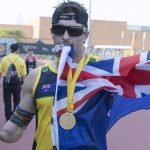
x=105, y=91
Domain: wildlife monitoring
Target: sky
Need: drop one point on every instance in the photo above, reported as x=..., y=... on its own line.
x=134, y=12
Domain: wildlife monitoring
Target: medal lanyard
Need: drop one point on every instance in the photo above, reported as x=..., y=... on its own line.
x=71, y=83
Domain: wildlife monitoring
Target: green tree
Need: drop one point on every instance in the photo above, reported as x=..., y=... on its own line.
x=17, y=34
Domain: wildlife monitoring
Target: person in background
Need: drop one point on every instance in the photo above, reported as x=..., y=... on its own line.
x=30, y=60
x=12, y=69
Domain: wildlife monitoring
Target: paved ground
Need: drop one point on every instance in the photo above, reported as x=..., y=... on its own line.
x=130, y=133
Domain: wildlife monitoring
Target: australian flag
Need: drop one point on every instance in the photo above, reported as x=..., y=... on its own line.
x=105, y=91
x=48, y=88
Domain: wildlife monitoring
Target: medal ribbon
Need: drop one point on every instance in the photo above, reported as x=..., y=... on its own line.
x=71, y=83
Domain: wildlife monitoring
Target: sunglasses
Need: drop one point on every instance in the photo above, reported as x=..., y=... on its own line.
x=72, y=30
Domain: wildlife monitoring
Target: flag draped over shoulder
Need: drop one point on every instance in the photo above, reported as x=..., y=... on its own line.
x=105, y=91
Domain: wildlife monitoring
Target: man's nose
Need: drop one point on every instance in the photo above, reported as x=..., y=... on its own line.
x=66, y=36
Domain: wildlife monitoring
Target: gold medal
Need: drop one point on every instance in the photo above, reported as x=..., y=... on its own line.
x=67, y=121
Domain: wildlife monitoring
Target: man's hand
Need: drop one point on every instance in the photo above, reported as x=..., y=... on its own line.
x=10, y=132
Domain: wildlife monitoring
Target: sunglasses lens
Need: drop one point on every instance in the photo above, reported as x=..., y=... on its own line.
x=75, y=31
x=58, y=30
x=72, y=30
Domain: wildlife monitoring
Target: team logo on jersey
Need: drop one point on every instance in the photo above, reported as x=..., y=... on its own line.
x=48, y=88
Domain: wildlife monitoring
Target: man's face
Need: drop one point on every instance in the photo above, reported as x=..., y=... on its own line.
x=70, y=33
x=30, y=52
x=18, y=51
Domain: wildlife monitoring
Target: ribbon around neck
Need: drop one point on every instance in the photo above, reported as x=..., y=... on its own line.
x=71, y=83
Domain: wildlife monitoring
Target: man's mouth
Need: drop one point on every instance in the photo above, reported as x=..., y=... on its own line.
x=59, y=48
x=58, y=53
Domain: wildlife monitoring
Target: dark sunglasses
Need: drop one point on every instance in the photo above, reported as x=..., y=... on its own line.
x=72, y=30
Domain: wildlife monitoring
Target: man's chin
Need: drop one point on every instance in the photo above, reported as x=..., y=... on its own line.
x=58, y=54
x=65, y=44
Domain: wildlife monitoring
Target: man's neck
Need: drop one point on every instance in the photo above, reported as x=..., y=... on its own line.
x=14, y=53
x=78, y=58
x=75, y=60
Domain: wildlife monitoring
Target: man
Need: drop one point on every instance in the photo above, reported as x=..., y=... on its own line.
x=12, y=69
x=83, y=124
x=30, y=60
x=69, y=27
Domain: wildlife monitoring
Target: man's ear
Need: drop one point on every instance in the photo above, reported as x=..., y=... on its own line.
x=52, y=34
x=85, y=36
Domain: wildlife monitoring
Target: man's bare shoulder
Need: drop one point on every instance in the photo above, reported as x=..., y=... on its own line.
x=32, y=76
x=30, y=79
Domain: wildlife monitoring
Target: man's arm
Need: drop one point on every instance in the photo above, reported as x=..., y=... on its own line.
x=0, y=73
x=35, y=62
x=12, y=132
